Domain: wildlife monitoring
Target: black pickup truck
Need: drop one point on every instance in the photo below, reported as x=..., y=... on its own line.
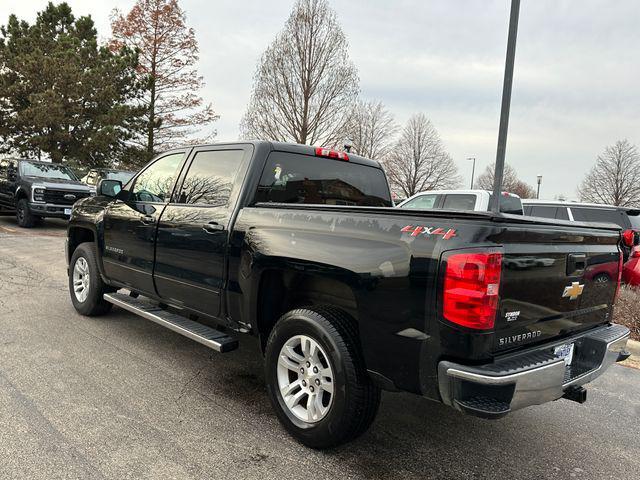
x=35, y=190
x=301, y=248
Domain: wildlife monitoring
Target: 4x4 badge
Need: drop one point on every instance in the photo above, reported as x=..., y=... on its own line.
x=573, y=291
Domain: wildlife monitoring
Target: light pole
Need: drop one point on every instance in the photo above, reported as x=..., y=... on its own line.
x=473, y=169
x=539, y=183
x=506, y=103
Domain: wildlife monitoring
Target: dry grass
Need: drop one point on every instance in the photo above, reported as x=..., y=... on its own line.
x=627, y=310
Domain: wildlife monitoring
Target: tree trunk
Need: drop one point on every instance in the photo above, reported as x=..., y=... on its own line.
x=152, y=117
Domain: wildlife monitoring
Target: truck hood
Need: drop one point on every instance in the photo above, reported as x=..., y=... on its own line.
x=59, y=184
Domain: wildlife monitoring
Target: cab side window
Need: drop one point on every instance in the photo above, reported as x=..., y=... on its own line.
x=210, y=177
x=459, y=202
x=423, y=202
x=155, y=183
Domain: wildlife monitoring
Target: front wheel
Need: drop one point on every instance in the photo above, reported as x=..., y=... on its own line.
x=23, y=214
x=85, y=284
x=316, y=377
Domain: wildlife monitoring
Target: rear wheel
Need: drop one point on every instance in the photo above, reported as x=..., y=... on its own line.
x=85, y=283
x=316, y=378
x=23, y=214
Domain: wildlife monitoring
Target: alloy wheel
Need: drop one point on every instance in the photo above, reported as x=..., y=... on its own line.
x=81, y=279
x=305, y=379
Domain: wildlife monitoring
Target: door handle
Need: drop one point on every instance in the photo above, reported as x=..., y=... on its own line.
x=213, y=227
x=147, y=219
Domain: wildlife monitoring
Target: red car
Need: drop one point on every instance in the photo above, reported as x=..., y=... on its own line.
x=627, y=218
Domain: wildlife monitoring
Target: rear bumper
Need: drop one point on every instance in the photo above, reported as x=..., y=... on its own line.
x=532, y=377
x=49, y=210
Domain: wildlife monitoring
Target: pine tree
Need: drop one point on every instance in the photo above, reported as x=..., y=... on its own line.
x=61, y=94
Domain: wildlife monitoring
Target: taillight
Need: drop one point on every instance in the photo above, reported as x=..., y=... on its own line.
x=471, y=289
x=615, y=297
x=635, y=252
x=327, y=152
x=628, y=238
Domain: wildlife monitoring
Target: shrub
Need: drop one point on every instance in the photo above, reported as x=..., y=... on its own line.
x=627, y=310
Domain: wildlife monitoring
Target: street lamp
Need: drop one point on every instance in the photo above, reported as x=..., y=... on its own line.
x=473, y=169
x=539, y=183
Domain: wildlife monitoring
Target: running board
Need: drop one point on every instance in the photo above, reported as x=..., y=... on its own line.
x=212, y=338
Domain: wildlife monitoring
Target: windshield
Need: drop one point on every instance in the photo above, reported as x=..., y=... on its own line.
x=47, y=170
x=124, y=177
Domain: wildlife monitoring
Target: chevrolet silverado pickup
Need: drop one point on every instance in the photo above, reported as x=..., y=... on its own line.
x=36, y=190
x=301, y=248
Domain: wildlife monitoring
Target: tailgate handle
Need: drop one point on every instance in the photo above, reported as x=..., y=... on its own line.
x=576, y=263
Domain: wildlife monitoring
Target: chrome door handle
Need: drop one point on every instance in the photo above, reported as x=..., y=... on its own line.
x=213, y=227
x=147, y=219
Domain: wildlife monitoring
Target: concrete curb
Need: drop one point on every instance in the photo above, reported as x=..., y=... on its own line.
x=634, y=348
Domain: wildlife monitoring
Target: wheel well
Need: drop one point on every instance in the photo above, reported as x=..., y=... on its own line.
x=78, y=235
x=281, y=291
x=20, y=195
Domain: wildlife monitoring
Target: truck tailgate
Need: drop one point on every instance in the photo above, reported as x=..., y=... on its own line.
x=555, y=282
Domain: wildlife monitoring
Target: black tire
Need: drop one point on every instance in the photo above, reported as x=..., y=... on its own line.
x=94, y=304
x=23, y=214
x=356, y=399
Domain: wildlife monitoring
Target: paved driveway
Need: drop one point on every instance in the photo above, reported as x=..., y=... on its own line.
x=119, y=397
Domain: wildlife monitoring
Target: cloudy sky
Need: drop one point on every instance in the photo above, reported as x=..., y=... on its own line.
x=576, y=86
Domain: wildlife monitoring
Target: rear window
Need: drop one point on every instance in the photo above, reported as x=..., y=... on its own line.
x=600, y=215
x=508, y=204
x=294, y=178
x=459, y=202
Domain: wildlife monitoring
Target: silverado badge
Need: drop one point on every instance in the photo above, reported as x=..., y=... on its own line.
x=573, y=291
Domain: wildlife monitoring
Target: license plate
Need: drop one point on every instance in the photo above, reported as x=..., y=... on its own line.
x=565, y=352
x=67, y=211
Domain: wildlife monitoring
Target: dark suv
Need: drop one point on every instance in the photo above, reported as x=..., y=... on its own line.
x=626, y=218
x=35, y=190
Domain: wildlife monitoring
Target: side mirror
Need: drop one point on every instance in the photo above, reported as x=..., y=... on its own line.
x=12, y=175
x=109, y=188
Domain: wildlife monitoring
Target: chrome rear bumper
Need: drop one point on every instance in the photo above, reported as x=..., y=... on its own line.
x=532, y=377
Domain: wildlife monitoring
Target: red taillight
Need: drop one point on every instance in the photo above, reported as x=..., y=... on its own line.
x=628, y=238
x=619, y=277
x=326, y=152
x=471, y=289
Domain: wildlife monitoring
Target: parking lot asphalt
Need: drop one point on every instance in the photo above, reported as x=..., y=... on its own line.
x=120, y=397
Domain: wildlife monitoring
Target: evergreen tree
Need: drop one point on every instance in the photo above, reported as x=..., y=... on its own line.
x=63, y=95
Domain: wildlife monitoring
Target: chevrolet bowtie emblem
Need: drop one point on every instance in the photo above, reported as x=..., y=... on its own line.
x=573, y=291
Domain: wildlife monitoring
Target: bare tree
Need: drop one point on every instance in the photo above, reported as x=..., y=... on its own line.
x=371, y=129
x=615, y=178
x=510, y=182
x=168, y=53
x=418, y=161
x=305, y=85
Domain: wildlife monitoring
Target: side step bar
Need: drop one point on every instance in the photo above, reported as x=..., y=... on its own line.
x=212, y=338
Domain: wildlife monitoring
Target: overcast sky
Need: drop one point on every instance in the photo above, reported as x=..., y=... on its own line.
x=576, y=85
